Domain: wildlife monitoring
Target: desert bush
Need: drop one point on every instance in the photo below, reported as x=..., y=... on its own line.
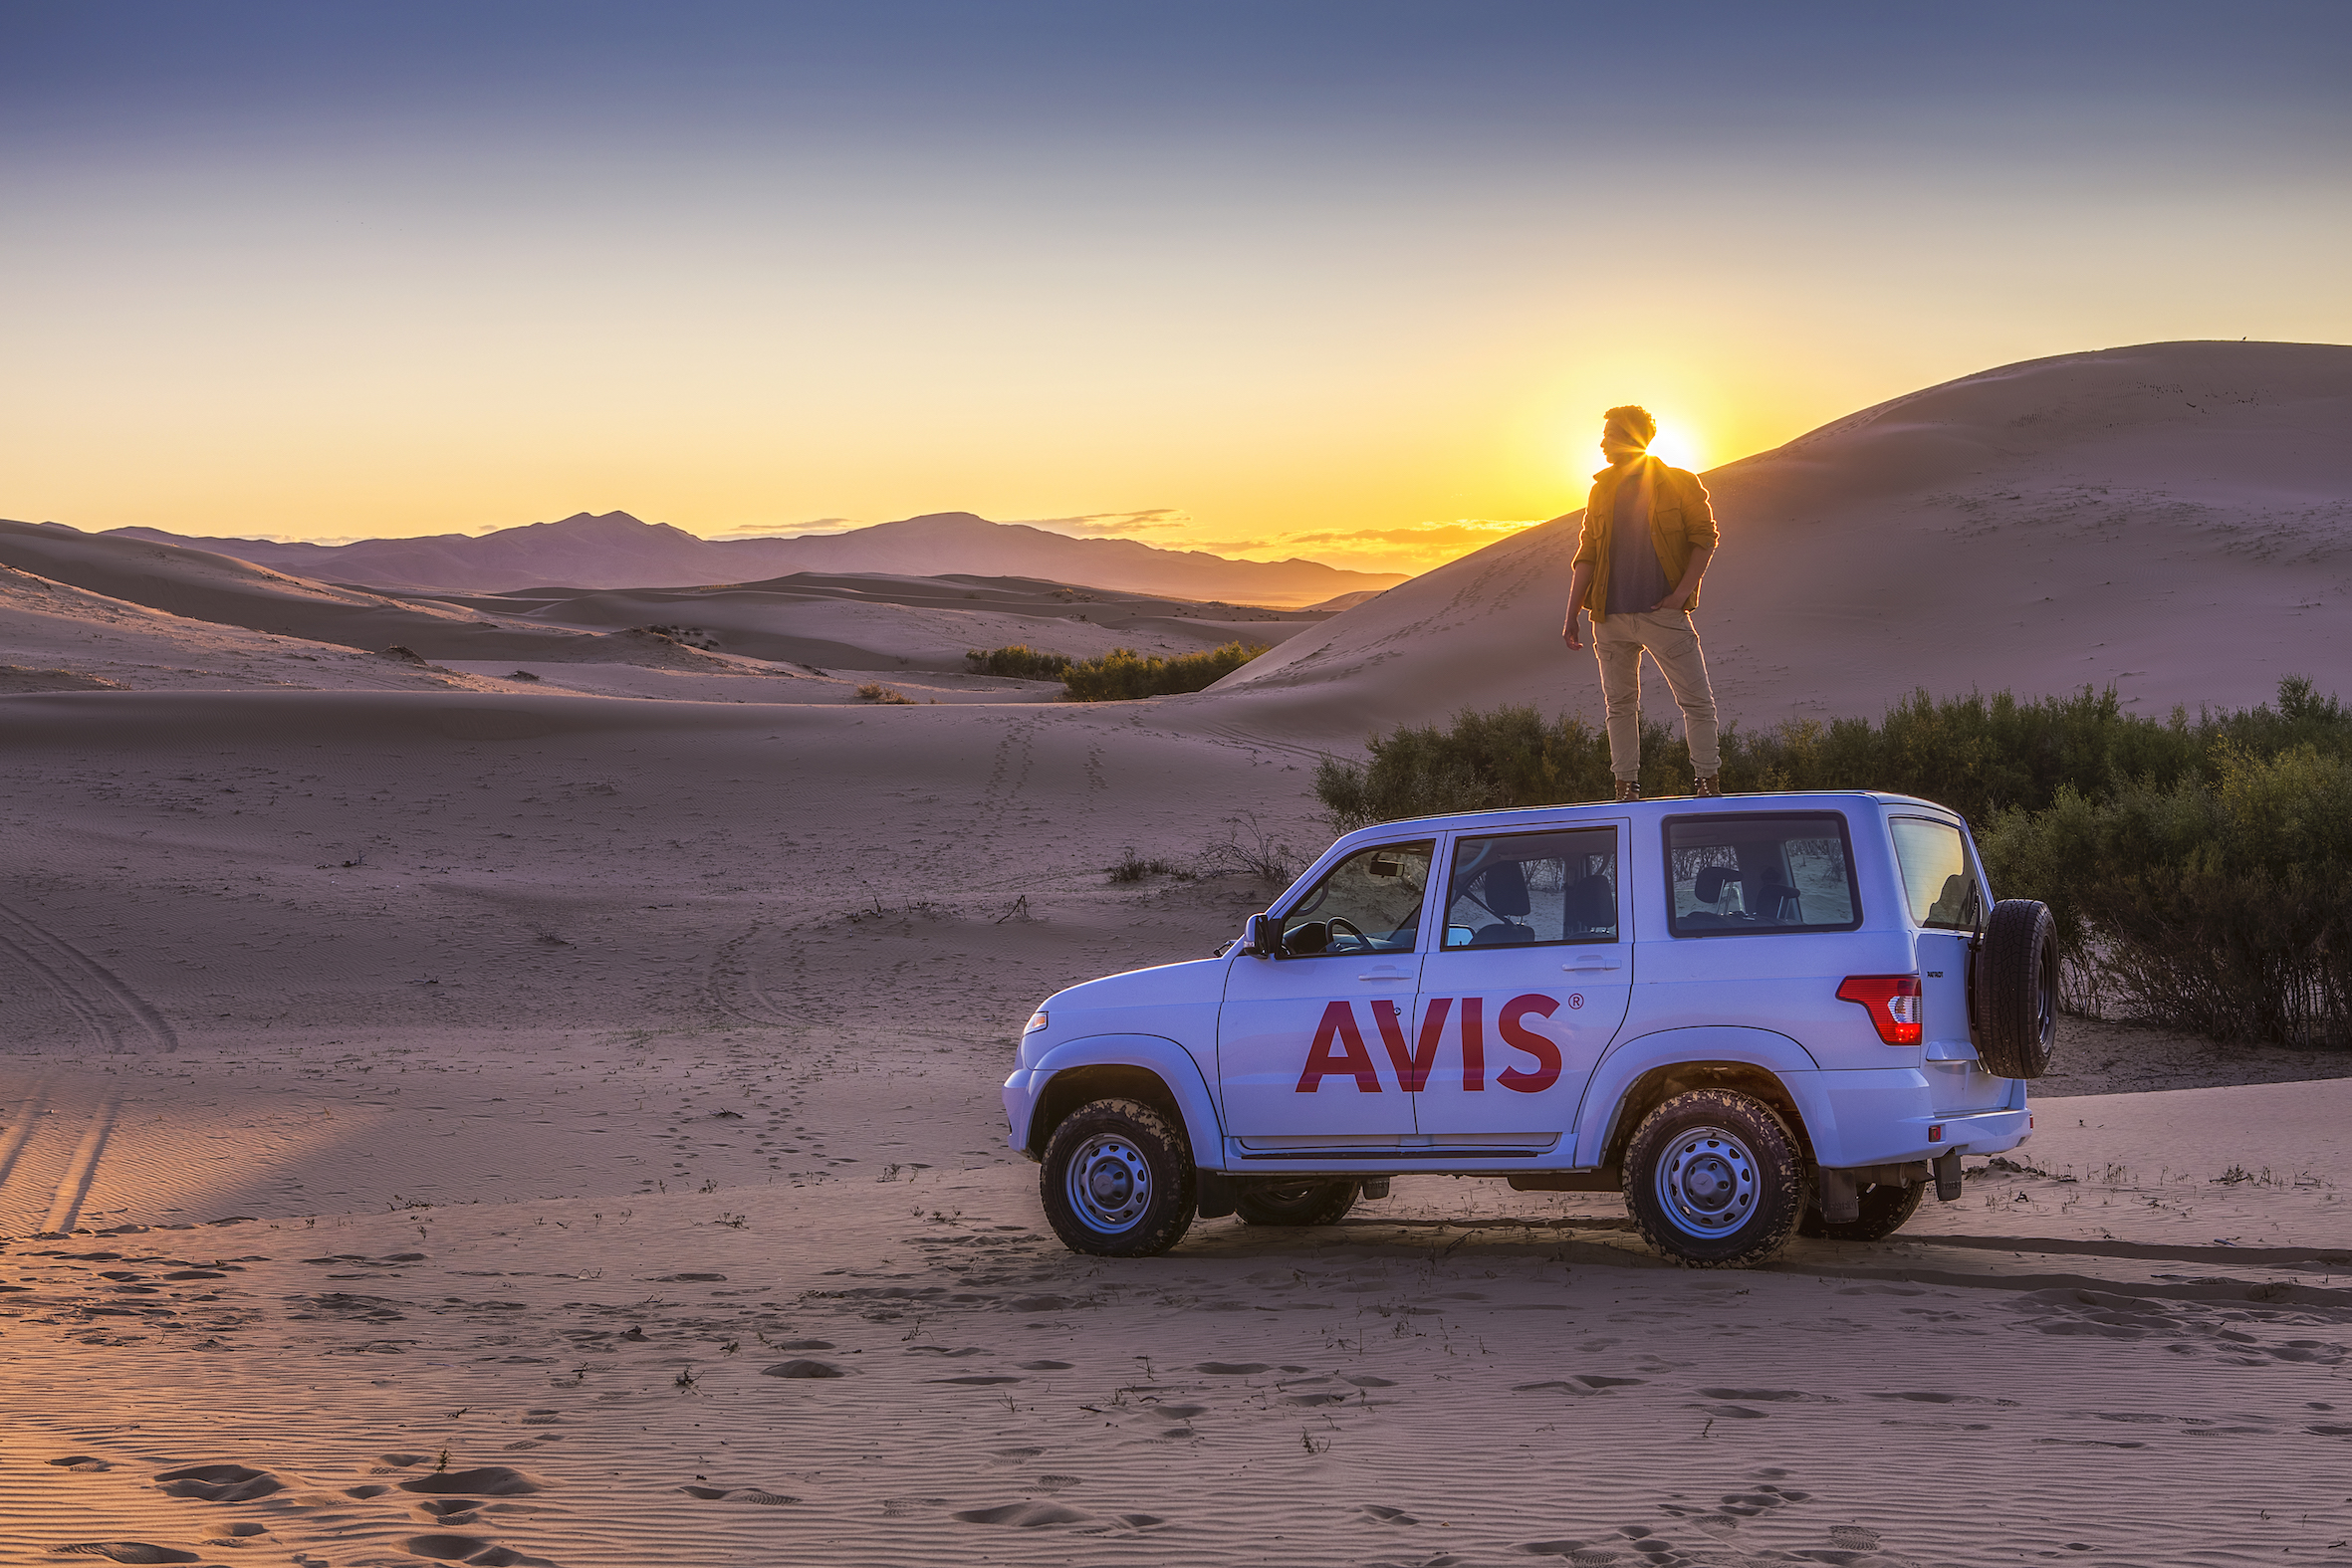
x=1249, y=849
x=2197, y=865
x=1020, y=662
x=1123, y=674
x=2218, y=907
x=1132, y=867
x=875, y=691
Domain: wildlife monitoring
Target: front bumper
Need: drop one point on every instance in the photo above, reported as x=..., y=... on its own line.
x=1021, y=1102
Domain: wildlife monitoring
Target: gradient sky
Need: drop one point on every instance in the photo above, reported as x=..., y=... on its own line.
x=1345, y=281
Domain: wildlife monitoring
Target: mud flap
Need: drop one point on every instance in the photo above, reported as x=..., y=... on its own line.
x=1212, y=1194
x=1840, y=1196
x=1948, y=1177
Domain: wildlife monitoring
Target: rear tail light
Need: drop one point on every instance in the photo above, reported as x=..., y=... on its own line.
x=1892, y=1001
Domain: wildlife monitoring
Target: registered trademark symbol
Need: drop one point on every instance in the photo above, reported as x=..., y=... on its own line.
x=1576, y=998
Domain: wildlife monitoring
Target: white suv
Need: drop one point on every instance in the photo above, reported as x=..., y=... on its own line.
x=1750, y=1015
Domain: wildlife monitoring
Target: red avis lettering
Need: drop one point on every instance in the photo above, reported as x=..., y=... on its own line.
x=1338, y=1027
x=1412, y=1069
x=1519, y=1036
x=1339, y=1051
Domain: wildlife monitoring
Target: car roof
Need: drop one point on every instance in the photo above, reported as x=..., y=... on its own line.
x=1640, y=810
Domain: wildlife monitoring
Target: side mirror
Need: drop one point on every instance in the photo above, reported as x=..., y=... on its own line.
x=1257, y=935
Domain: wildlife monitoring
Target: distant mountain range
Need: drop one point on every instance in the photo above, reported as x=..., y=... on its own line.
x=617, y=550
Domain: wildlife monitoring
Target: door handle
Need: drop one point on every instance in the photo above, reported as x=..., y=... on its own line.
x=1387, y=974
x=1613, y=964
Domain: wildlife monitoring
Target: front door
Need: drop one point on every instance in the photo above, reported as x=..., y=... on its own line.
x=1529, y=988
x=1309, y=1043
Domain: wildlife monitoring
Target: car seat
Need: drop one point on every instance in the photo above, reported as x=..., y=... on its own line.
x=1591, y=905
x=1503, y=889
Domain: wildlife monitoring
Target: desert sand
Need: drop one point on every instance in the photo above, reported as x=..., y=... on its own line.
x=449, y=1119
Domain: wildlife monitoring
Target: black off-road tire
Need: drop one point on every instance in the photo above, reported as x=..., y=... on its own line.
x=1885, y=1208
x=1117, y=1180
x=1735, y=1168
x=2015, y=990
x=1294, y=1203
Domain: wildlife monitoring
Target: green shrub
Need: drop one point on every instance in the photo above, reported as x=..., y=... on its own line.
x=2197, y=867
x=2218, y=907
x=1020, y=662
x=1124, y=674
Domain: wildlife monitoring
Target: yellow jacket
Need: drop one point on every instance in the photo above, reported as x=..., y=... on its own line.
x=1681, y=521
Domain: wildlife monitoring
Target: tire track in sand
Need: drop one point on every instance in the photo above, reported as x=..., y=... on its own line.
x=117, y=1014
x=82, y=1168
x=30, y=1108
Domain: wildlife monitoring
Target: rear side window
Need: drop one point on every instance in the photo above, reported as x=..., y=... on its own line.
x=1534, y=889
x=1753, y=874
x=1937, y=881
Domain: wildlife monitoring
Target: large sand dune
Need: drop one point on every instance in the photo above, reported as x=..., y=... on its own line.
x=2175, y=520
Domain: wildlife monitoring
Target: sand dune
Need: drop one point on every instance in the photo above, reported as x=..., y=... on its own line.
x=871, y=622
x=2174, y=519
x=616, y=551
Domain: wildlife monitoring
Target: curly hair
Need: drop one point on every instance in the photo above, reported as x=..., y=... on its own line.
x=1634, y=419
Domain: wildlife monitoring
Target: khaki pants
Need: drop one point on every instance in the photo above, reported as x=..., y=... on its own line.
x=1672, y=640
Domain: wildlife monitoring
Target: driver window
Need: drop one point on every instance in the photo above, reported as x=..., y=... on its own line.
x=1369, y=902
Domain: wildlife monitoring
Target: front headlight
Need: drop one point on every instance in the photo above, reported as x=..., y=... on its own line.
x=1036, y=1021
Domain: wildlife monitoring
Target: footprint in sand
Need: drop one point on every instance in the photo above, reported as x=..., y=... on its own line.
x=80, y=1462
x=1233, y=1369
x=802, y=1369
x=218, y=1483
x=771, y=1499
x=1044, y=1366
x=908, y=1507
x=488, y=1481
x=1382, y=1513
x=469, y=1549
x=977, y=1379
x=1853, y=1539
x=1023, y=1515
x=125, y=1552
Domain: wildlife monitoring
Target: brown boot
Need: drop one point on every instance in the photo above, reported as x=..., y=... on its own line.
x=1708, y=789
x=1628, y=789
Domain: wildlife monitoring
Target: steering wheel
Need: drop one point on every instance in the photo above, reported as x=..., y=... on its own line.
x=1337, y=921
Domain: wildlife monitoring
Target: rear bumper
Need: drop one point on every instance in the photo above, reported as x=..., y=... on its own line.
x=1886, y=1116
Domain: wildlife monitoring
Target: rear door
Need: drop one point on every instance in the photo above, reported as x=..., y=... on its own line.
x=1946, y=902
x=1308, y=1042
x=1528, y=986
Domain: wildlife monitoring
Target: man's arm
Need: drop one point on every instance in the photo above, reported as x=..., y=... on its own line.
x=1698, y=521
x=1679, y=595
x=1579, y=585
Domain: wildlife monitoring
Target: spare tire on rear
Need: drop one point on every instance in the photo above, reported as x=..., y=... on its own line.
x=2015, y=990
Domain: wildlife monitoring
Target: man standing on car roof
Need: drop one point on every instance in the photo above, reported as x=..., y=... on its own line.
x=1648, y=536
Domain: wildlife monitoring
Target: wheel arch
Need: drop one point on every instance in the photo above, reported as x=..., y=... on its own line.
x=1638, y=1078
x=1157, y=1071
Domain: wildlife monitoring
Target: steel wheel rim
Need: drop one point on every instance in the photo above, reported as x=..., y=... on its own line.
x=2045, y=1002
x=1706, y=1182
x=1108, y=1183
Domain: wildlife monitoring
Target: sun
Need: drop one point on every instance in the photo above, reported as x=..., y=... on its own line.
x=1676, y=445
